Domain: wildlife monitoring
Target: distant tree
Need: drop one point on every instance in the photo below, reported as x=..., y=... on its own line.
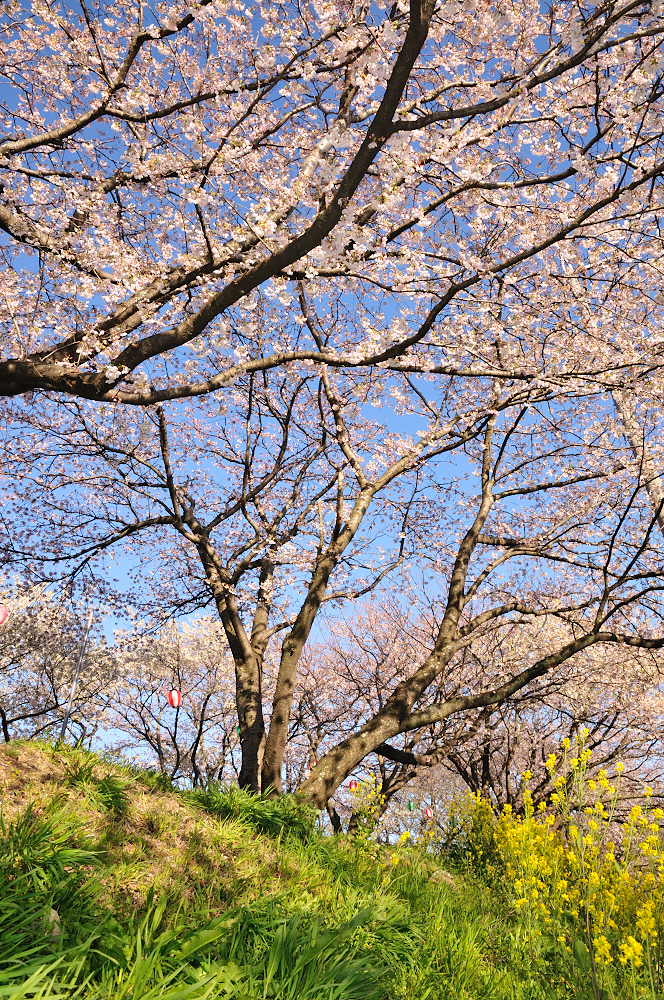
x=39, y=646
x=623, y=724
x=196, y=742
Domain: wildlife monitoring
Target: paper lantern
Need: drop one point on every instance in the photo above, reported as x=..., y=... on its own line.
x=3, y=613
x=428, y=812
x=411, y=806
x=174, y=698
x=353, y=785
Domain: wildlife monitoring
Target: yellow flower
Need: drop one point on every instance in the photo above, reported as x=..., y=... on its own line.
x=631, y=951
x=602, y=949
x=563, y=877
x=646, y=920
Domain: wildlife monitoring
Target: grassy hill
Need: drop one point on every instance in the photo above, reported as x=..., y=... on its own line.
x=116, y=886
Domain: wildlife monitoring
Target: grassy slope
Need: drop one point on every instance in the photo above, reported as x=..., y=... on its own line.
x=175, y=902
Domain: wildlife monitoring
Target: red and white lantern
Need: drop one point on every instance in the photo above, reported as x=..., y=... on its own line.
x=353, y=785
x=3, y=613
x=428, y=812
x=174, y=698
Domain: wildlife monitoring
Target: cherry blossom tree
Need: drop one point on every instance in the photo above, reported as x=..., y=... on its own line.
x=260, y=498
x=196, y=742
x=443, y=214
x=347, y=678
x=519, y=509
x=40, y=642
x=594, y=536
x=457, y=175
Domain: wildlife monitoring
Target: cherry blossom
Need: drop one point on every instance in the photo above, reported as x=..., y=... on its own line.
x=476, y=185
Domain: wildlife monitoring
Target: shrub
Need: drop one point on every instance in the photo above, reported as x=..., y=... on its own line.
x=589, y=891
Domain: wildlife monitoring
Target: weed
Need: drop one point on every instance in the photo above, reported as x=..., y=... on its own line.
x=113, y=794
x=285, y=814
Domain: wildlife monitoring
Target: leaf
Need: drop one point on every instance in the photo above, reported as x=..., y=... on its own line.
x=581, y=955
x=206, y=936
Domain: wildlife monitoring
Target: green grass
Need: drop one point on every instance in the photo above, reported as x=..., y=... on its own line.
x=166, y=895
x=284, y=815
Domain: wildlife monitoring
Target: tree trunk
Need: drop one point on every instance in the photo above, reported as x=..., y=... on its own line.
x=5, y=727
x=291, y=651
x=281, y=710
x=335, y=819
x=248, y=675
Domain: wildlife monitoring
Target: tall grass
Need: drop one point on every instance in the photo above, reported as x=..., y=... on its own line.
x=285, y=814
x=253, y=952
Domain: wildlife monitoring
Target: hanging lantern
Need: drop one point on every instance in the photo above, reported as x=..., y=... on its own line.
x=174, y=698
x=428, y=812
x=3, y=613
x=353, y=785
x=411, y=806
